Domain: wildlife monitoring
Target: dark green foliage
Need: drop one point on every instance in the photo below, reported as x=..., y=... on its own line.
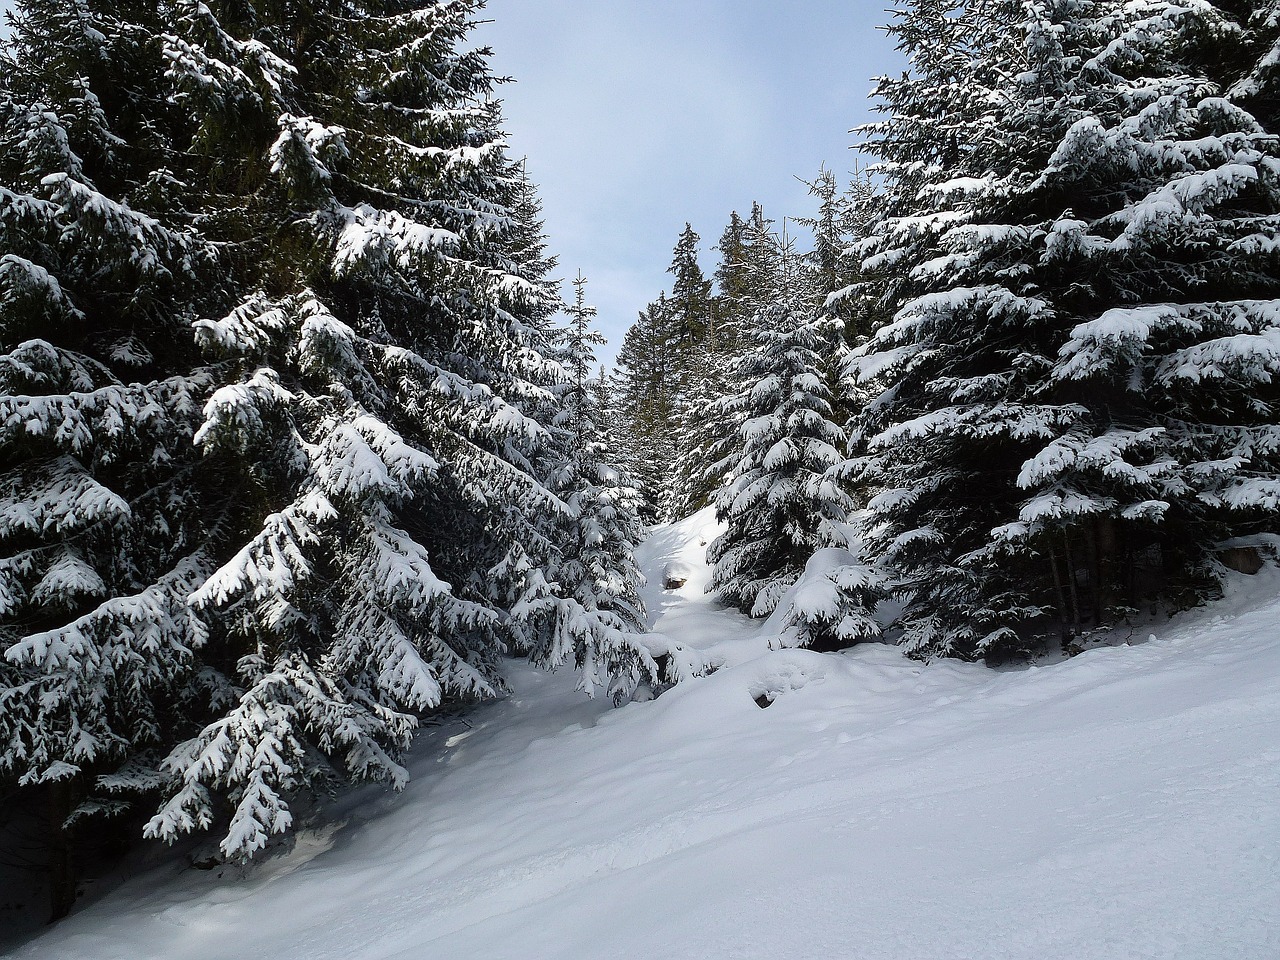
x=284, y=410
x=1064, y=425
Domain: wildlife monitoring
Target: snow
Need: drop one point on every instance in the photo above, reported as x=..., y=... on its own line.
x=814, y=594
x=689, y=614
x=1120, y=804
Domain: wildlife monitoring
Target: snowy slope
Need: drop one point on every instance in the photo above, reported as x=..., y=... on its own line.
x=1123, y=804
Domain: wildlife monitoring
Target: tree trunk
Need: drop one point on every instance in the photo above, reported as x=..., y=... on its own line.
x=1105, y=547
x=62, y=871
x=1062, y=597
x=1071, y=581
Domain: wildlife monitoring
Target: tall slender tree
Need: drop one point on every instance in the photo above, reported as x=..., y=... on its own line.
x=690, y=300
x=108, y=517
x=595, y=615
x=780, y=505
x=394, y=357
x=281, y=393
x=647, y=386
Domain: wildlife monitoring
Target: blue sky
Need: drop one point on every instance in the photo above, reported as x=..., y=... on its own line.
x=639, y=115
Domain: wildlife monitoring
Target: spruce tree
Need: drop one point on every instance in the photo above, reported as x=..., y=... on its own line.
x=700, y=372
x=646, y=383
x=1066, y=425
x=709, y=417
x=829, y=258
x=1175, y=362
x=780, y=505
x=282, y=397
x=690, y=300
x=595, y=614
x=393, y=357
x=108, y=517
x=730, y=284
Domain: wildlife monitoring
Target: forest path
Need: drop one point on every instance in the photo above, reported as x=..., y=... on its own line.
x=688, y=614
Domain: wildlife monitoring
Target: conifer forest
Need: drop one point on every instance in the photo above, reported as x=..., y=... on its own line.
x=307, y=449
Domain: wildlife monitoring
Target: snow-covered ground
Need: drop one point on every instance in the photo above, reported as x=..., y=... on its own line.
x=1122, y=804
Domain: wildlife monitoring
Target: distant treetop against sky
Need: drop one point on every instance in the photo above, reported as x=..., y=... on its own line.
x=637, y=117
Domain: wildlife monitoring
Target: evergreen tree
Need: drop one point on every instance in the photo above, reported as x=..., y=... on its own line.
x=1251, y=57
x=690, y=300
x=780, y=505
x=394, y=358
x=108, y=519
x=599, y=615
x=844, y=220
x=708, y=421
x=675, y=369
x=700, y=373
x=647, y=392
x=282, y=396
x=1066, y=426
x=746, y=275
x=829, y=257
x=612, y=433
x=731, y=284
x=762, y=265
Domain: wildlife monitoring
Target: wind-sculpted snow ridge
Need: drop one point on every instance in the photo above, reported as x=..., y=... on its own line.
x=1120, y=804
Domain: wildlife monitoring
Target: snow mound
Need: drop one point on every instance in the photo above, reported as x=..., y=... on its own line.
x=681, y=548
x=676, y=574
x=814, y=594
x=688, y=615
x=838, y=600
x=775, y=676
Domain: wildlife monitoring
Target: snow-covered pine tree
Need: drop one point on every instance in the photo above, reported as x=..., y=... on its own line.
x=701, y=374
x=675, y=366
x=690, y=300
x=595, y=615
x=780, y=505
x=730, y=284
x=761, y=267
x=1065, y=425
x=522, y=582
x=391, y=373
x=844, y=219
x=579, y=409
x=950, y=416
x=672, y=366
x=612, y=431
x=709, y=415
x=1252, y=56
x=646, y=380
x=1175, y=202
x=108, y=519
x=829, y=259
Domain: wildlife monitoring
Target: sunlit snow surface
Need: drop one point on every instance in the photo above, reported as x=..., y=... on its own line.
x=1122, y=804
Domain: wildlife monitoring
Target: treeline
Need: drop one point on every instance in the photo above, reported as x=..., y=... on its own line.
x=293, y=448
x=1025, y=382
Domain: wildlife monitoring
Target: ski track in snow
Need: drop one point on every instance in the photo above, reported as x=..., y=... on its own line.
x=1122, y=804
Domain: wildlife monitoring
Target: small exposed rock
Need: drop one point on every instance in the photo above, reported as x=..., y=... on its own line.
x=675, y=575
